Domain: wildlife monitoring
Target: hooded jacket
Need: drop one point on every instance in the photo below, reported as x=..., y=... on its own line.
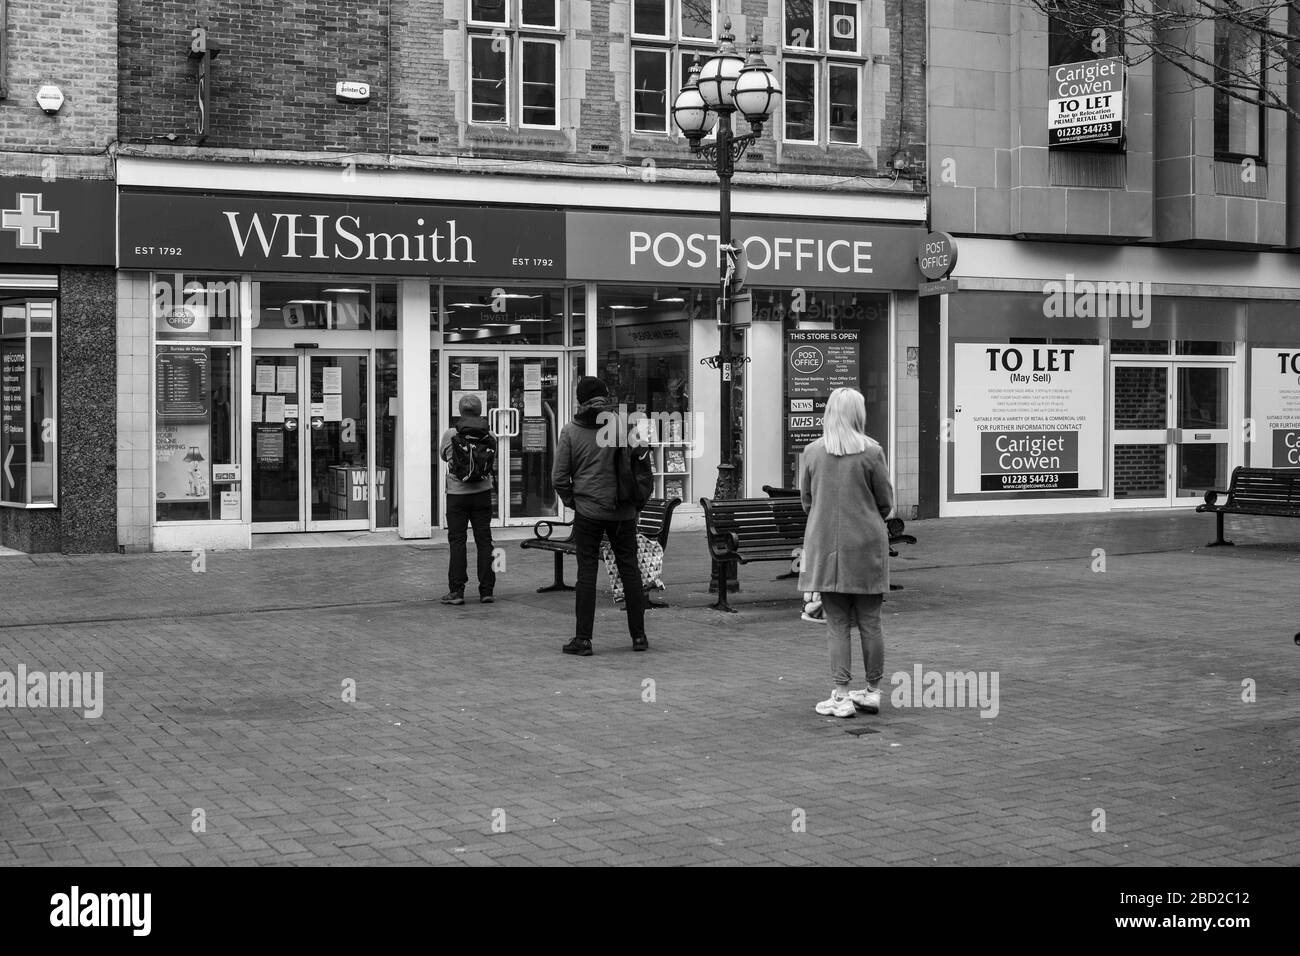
x=584, y=475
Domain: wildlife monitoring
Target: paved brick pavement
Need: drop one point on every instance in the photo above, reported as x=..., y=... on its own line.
x=1118, y=691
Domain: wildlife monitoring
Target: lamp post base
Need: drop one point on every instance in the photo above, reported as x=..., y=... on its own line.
x=725, y=490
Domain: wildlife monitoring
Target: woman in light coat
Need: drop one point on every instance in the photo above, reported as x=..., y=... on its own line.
x=846, y=492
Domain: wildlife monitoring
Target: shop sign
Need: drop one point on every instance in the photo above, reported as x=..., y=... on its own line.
x=685, y=251
x=63, y=221
x=816, y=363
x=1027, y=418
x=1085, y=101
x=1275, y=408
x=938, y=255
x=177, y=231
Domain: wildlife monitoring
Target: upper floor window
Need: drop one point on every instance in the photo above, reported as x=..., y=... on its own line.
x=514, y=63
x=1079, y=30
x=666, y=36
x=1240, y=62
x=822, y=72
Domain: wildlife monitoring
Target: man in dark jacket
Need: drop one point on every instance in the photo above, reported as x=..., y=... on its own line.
x=585, y=479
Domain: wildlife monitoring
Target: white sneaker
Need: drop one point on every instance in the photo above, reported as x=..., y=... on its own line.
x=868, y=700
x=836, y=706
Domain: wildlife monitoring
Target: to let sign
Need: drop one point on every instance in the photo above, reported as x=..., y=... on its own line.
x=1085, y=101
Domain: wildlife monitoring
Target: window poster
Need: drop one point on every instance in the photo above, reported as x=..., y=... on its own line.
x=816, y=363
x=286, y=379
x=265, y=378
x=13, y=422
x=1027, y=418
x=1274, y=440
x=183, y=462
x=469, y=376
x=183, y=383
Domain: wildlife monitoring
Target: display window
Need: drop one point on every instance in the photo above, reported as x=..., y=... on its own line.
x=643, y=355
x=496, y=315
x=28, y=403
x=196, y=319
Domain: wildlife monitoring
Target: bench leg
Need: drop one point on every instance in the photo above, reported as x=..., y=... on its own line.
x=720, y=573
x=1219, y=542
x=559, y=584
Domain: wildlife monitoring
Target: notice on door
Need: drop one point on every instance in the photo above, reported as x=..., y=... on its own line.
x=816, y=363
x=1027, y=418
x=1274, y=408
x=469, y=376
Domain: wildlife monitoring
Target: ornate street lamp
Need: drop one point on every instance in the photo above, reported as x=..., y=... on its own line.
x=724, y=84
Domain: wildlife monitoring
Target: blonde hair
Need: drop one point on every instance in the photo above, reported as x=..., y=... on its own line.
x=844, y=424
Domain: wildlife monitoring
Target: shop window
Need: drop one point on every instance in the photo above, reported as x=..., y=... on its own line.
x=330, y=305
x=189, y=307
x=514, y=63
x=1240, y=65
x=28, y=405
x=196, y=428
x=666, y=36
x=823, y=72
x=482, y=315
x=196, y=389
x=862, y=350
x=643, y=355
x=386, y=432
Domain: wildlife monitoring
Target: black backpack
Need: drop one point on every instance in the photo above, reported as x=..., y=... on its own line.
x=473, y=454
x=634, y=469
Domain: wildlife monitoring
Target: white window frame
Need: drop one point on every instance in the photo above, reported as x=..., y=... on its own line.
x=816, y=31
x=713, y=24
x=666, y=54
x=857, y=48
x=555, y=44
x=505, y=121
x=817, y=101
x=555, y=15
x=667, y=4
x=506, y=9
x=831, y=67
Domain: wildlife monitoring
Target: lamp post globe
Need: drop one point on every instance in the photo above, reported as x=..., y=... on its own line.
x=756, y=92
x=690, y=113
x=719, y=74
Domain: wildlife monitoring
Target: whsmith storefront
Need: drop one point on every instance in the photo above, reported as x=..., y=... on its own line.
x=306, y=351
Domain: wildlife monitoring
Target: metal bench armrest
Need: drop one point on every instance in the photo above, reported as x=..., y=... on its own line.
x=550, y=525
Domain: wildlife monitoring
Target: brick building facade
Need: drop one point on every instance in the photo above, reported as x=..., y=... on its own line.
x=505, y=207
x=58, y=123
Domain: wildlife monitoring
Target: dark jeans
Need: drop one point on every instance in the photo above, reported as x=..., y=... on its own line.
x=587, y=533
x=463, y=510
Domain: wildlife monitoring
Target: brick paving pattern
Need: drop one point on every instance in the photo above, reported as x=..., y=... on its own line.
x=1118, y=691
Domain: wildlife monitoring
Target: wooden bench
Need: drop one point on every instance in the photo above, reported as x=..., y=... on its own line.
x=762, y=529
x=1268, y=492
x=655, y=522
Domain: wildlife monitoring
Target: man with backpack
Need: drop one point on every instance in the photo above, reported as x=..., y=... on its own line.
x=606, y=482
x=470, y=451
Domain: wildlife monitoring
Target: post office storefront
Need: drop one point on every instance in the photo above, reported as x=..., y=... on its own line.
x=1071, y=383
x=305, y=354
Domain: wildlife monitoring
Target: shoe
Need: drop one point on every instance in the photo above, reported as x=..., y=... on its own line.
x=454, y=597
x=867, y=700
x=486, y=598
x=580, y=646
x=640, y=643
x=836, y=706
